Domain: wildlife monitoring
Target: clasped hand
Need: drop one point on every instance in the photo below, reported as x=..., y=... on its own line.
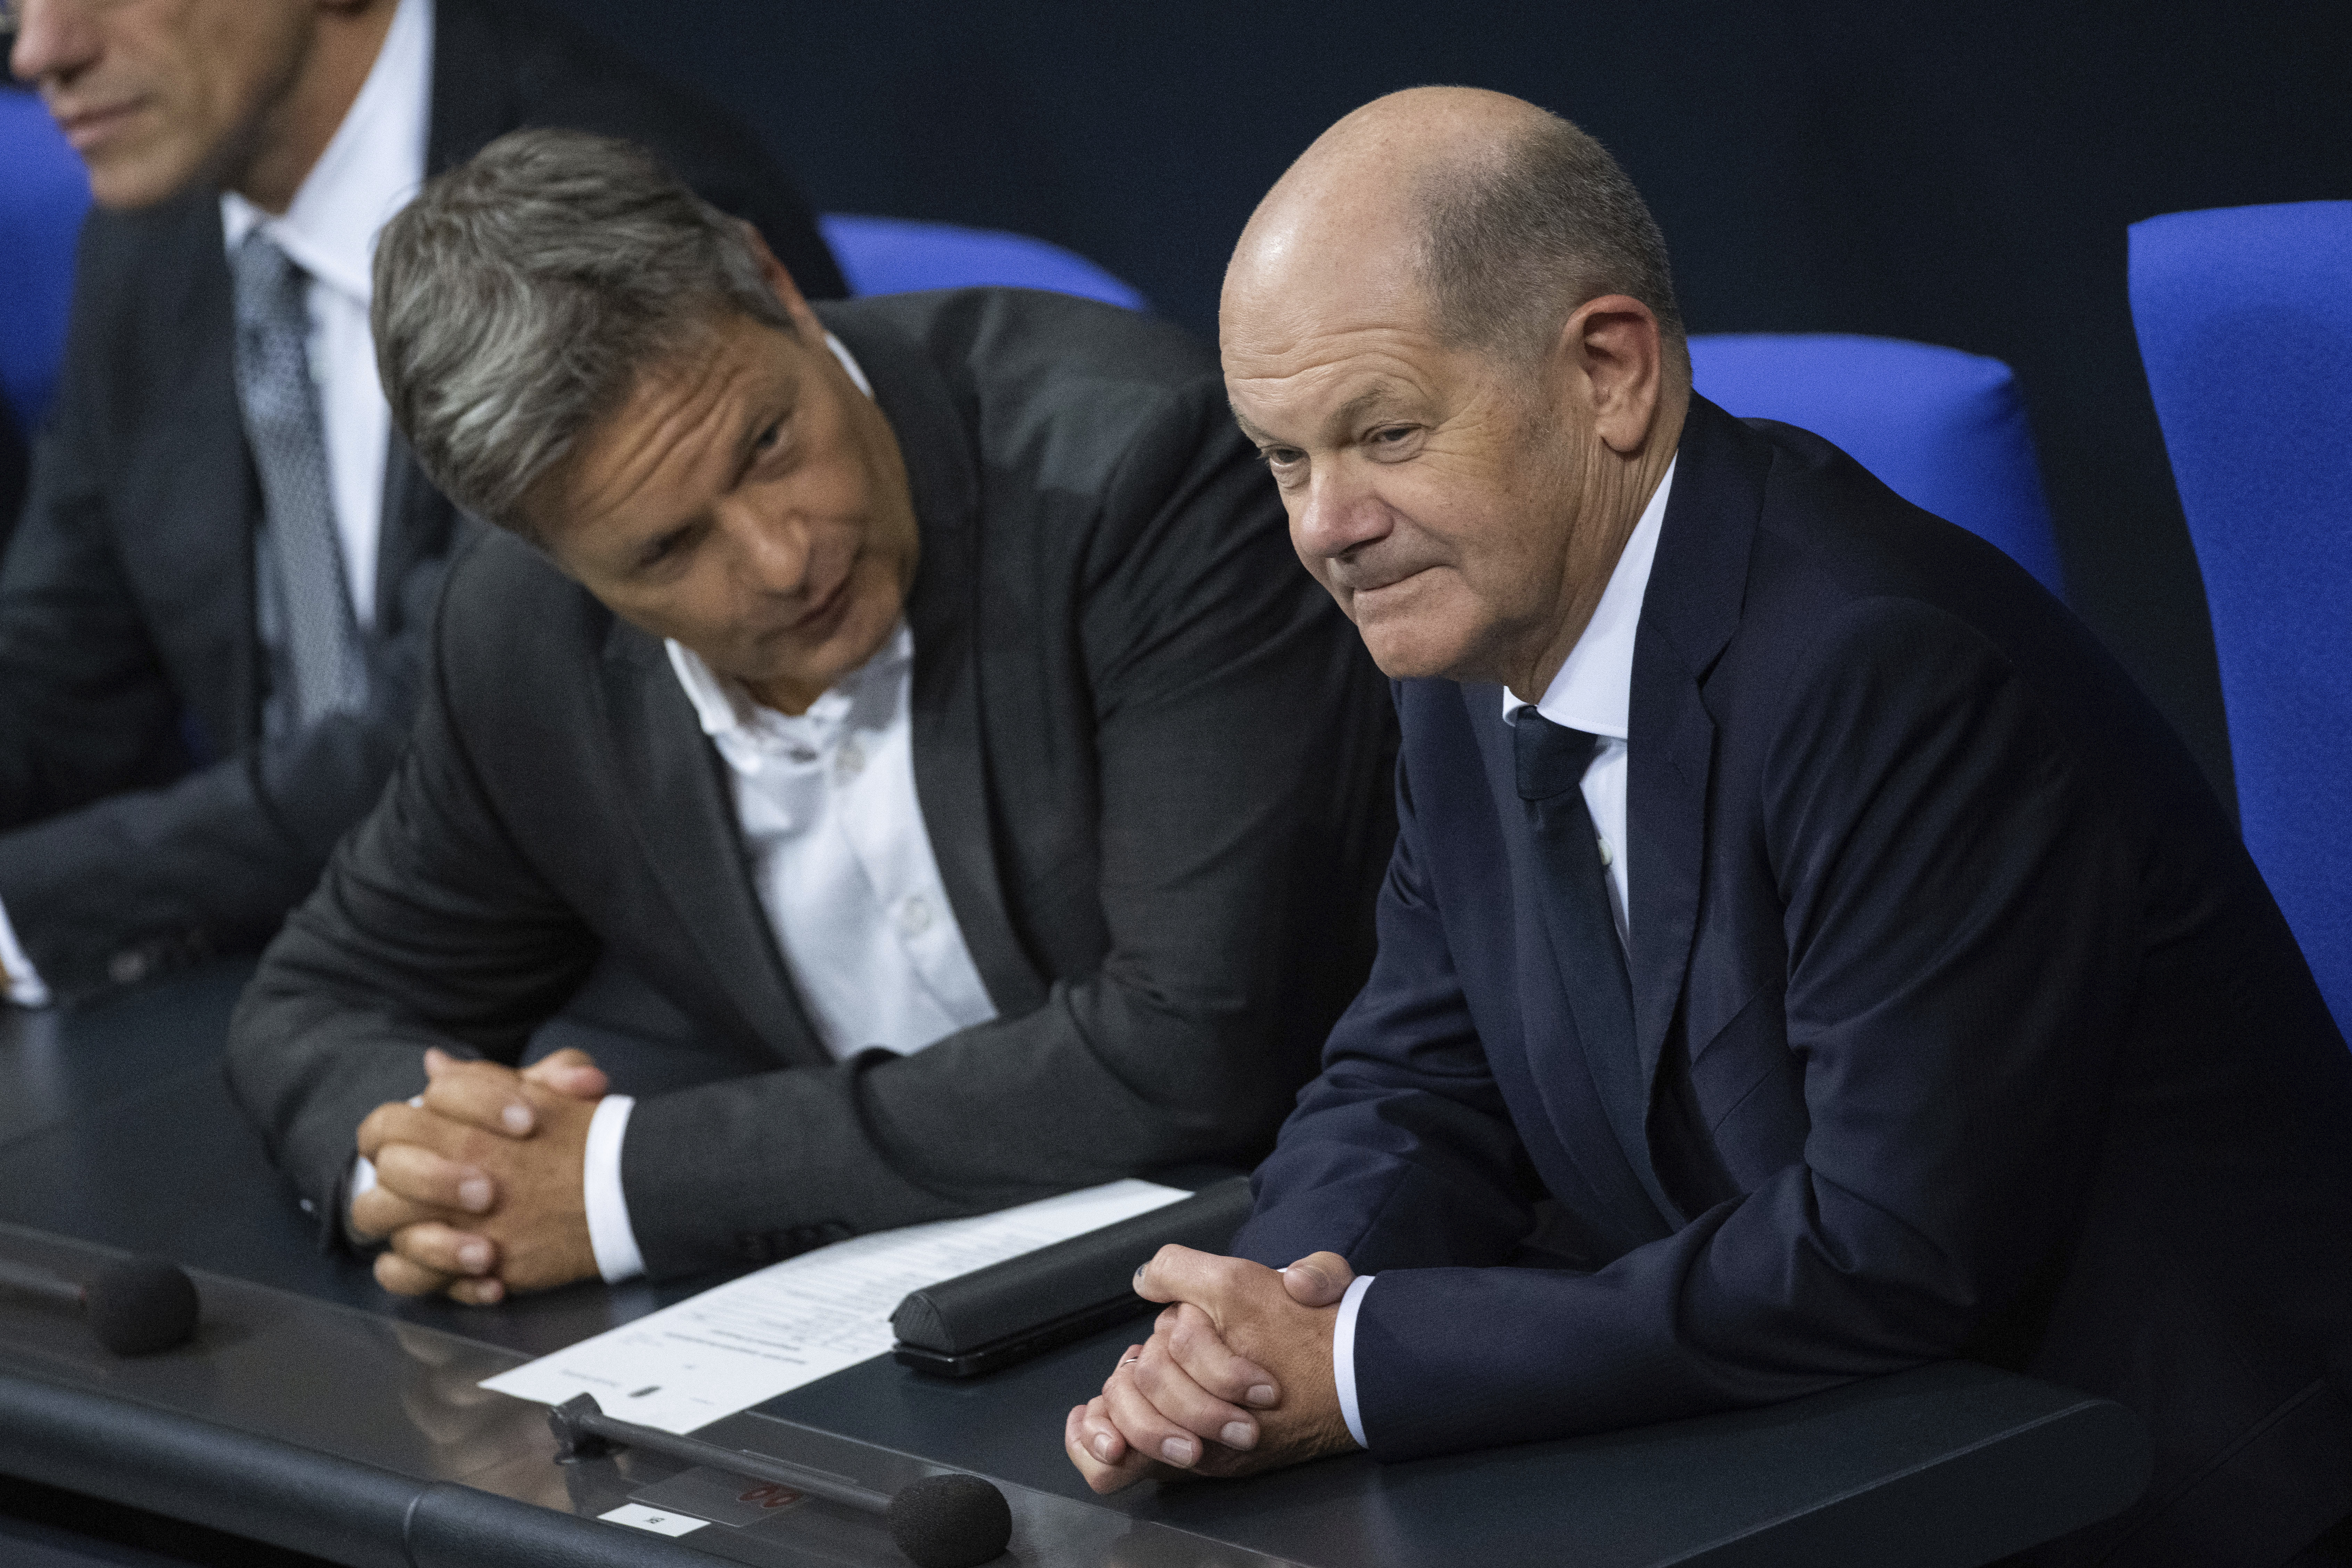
x=479, y=1184
x=1236, y=1377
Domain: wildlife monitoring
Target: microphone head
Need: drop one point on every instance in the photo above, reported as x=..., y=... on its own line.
x=950, y=1521
x=141, y=1305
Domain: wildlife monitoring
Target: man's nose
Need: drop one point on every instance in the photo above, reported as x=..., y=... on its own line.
x=54, y=38
x=1335, y=513
x=775, y=550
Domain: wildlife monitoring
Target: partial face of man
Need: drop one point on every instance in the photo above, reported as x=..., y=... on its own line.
x=154, y=94
x=748, y=501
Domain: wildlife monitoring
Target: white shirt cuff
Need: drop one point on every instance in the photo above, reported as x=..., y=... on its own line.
x=1343, y=1357
x=22, y=982
x=614, y=1243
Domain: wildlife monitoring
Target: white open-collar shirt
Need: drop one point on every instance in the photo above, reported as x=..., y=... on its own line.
x=1593, y=692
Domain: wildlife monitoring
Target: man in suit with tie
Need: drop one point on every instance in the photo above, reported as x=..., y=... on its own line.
x=918, y=692
x=1805, y=954
x=211, y=613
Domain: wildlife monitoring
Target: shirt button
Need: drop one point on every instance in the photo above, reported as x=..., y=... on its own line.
x=1606, y=855
x=851, y=759
x=914, y=915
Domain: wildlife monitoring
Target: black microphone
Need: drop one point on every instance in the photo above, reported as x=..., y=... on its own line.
x=940, y=1521
x=136, y=1306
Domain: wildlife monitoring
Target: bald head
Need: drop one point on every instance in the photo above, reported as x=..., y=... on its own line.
x=1489, y=218
x=1450, y=333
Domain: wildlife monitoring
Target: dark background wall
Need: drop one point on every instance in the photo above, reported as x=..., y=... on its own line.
x=1958, y=174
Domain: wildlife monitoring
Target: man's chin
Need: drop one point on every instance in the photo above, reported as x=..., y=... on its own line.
x=129, y=181
x=1402, y=656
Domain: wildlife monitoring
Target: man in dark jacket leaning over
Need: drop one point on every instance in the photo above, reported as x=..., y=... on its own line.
x=921, y=694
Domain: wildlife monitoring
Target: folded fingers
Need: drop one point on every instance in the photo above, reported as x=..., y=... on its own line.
x=1193, y=1341
x=479, y=1094
x=1161, y=1412
x=422, y=1177
x=1093, y=1445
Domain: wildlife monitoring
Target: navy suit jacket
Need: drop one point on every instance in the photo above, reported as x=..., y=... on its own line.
x=1965, y=1028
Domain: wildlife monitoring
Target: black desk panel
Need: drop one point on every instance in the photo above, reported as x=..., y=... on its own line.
x=319, y=1414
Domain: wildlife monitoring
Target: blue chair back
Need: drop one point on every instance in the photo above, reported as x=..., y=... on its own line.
x=2244, y=317
x=896, y=256
x=1945, y=430
x=44, y=192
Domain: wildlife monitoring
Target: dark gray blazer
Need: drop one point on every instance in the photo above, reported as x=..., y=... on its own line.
x=144, y=819
x=1151, y=756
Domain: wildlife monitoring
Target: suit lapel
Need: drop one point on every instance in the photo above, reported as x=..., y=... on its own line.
x=415, y=529
x=1595, y=1104
x=687, y=826
x=952, y=774
x=190, y=489
x=1689, y=612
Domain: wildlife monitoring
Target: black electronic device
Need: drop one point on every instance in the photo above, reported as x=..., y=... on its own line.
x=135, y=1305
x=952, y=1521
x=1009, y=1311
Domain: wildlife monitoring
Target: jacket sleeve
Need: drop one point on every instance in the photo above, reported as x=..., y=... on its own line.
x=85, y=708
x=429, y=928
x=149, y=874
x=1239, y=739
x=1959, y=918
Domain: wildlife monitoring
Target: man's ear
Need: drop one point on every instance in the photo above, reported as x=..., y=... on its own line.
x=780, y=282
x=1618, y=348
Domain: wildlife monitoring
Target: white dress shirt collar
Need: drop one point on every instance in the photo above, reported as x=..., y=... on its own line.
x=372, y=165
x=739, y=724
x=1594, y=688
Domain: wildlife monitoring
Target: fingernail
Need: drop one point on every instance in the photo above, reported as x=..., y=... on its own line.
x=1261, y=1394
x=474, y=1192
x=517, y=1117
x=1102, y=1448
x=1237, y=1435
x=475, y=1255
x=1177, y=1450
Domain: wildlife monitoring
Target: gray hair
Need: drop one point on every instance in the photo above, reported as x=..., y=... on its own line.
x=522, y=295
x=1517, y=241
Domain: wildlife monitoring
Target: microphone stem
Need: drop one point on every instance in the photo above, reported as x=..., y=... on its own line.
x=736, y=1461
x=39, y=1282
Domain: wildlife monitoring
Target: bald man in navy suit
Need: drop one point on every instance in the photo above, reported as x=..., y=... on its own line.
x=1805, y=954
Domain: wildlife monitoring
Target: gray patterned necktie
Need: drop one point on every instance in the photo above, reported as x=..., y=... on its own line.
x=299, y=547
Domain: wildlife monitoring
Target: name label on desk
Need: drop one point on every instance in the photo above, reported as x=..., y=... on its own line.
x=661, y=1521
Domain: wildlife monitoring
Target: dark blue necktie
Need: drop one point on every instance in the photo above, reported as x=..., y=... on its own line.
x=1551, y=760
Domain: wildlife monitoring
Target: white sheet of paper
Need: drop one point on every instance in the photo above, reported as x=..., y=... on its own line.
x=808, y=1317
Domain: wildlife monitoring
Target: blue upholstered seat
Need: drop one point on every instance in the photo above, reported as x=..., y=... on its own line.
x=2245, y=326
x=42, y=194
x=895, y=255
x=1944, y=429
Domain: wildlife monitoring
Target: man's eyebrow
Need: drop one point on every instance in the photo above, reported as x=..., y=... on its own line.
x=1248, y=429
x=1344, y=418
